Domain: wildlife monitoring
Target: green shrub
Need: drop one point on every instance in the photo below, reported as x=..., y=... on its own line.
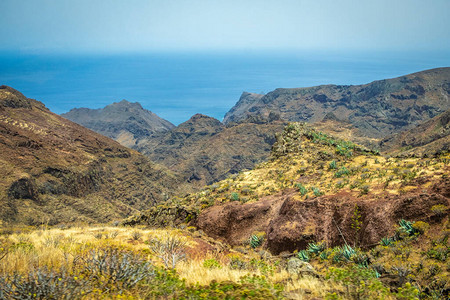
x=234, y=196
x=42, y=284
x=364, y=190
x=332, y=165
x=341, y=172
x=359, y=283
x=407, y=292
x=111, y=267
x=303, y=191
x=439, y=210
x=316, y=192
x=136, y=235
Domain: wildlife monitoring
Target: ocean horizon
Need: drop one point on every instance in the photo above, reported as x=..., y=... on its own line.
x=178, y=85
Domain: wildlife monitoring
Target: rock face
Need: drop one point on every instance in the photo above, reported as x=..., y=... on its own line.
x=54, y=170
x=376, y=109
x=126, y=122
x=242, y=107
x=429, y=138
x=203, y=150
x=291, y=224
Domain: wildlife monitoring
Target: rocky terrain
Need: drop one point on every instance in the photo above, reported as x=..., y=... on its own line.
x=54, y=170
x=203, y=150
x=311, y=186
x=126, y=122
x=429, y=138
x=377, y=109
x=321, y=218
x=336, y=205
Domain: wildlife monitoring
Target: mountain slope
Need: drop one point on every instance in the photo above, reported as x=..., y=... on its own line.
x=311, y=190
x=203, y=150
x=57, y=171
x=429, y=138
x=376, y=109
x=125, y=122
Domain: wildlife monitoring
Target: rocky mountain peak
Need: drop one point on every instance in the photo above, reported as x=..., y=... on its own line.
x=124, y=121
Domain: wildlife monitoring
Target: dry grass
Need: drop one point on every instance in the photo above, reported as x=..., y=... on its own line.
x=52, y=248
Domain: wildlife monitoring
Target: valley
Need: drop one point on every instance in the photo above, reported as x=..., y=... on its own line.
x=328, y=192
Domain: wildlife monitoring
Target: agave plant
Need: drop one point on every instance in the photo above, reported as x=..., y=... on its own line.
x=361, y=260
x=407, y=227
x=303, y=255
x=324, y=255
x=316, y=248
x=348, y=252
x=386, y=241
x=338, y=256
x=255, y=241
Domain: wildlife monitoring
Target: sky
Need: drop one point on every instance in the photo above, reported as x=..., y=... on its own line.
x=112, y=26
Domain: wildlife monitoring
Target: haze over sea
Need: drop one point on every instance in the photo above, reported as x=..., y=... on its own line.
x=177, y=85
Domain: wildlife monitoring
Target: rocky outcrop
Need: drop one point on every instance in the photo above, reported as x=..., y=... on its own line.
x=376, y=109
x=242, y=107
x=291, y=224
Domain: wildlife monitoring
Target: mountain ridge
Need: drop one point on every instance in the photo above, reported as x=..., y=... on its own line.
x=123, y=121
x=379, y=108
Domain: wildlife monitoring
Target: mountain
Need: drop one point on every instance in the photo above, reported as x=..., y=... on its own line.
x=314, y=188
x=429, y=138
x=125, y=122
x=54, y=170
x=377, y=109
x=241, y=107
x=203, y=150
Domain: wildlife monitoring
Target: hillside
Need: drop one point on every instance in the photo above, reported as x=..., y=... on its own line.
x=312, y=182
x=377, y=109
x=54, y=170
x=429, y=138
x=376, y=227
x=125, y=122
x=204, y=150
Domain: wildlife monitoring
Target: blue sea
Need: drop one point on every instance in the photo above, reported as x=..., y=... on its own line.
x=178, y=85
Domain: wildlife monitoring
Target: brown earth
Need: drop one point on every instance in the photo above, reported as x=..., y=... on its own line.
x=291, y=224
x=54, y=170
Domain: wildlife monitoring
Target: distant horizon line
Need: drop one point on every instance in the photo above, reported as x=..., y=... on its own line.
x=214, y=51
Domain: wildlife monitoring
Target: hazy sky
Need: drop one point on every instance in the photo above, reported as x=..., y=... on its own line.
x=150, y=25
